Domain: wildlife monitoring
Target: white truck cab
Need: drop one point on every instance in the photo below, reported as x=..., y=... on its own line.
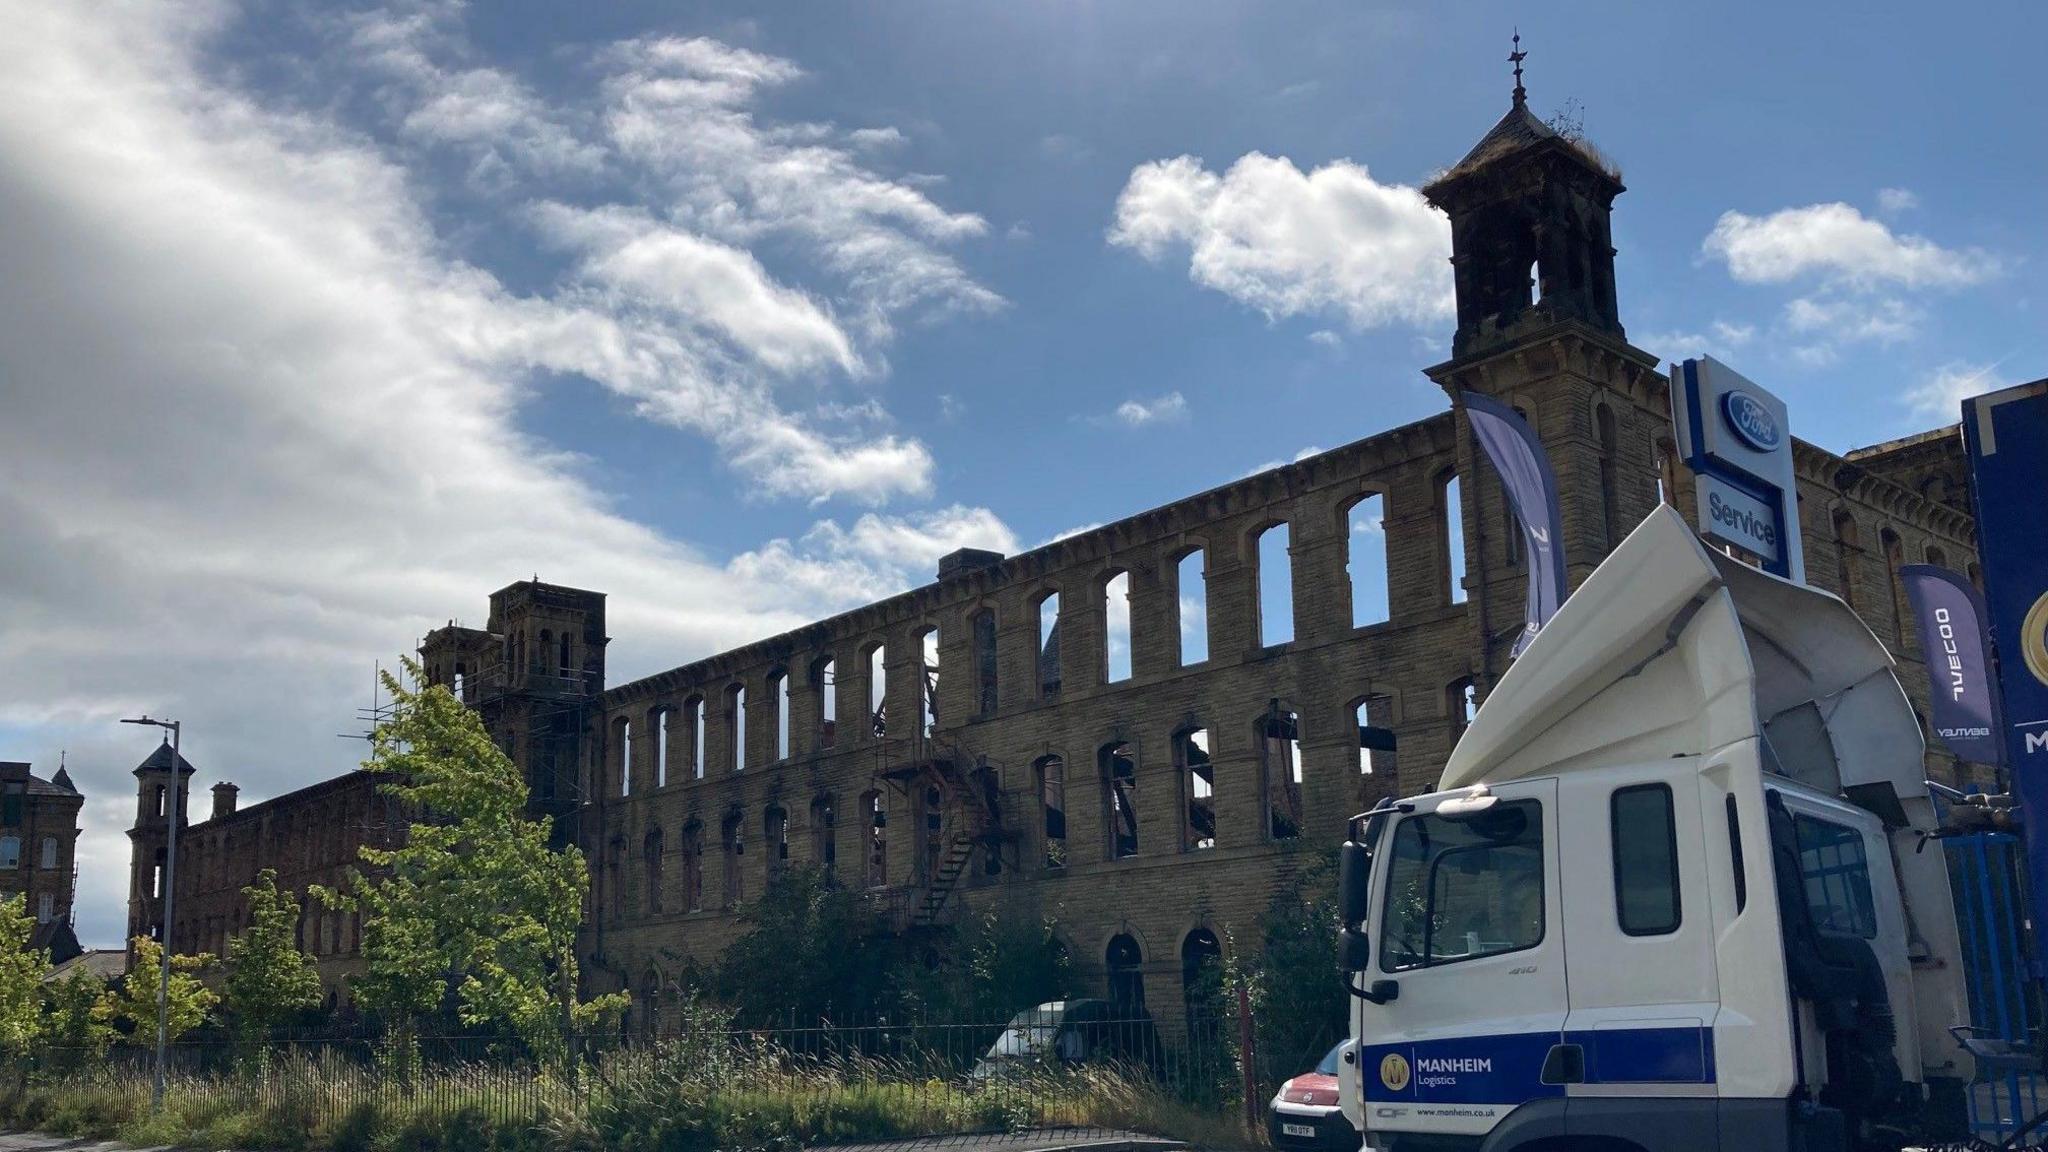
x=1670, y=892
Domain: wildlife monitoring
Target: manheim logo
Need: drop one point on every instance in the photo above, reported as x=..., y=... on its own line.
x=1751, y=421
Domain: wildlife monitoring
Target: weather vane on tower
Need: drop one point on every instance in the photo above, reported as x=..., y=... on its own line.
x=1516, y=57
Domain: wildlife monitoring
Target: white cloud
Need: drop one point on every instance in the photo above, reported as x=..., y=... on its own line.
x=1167, y=409
x=837, y=568
x=1333, y=241
x=1893, y=201
x=1326, y=338
x=1720, y=339
x=1940, y=396
x=263, y=426
x=1822, y=326
x=1838, y=245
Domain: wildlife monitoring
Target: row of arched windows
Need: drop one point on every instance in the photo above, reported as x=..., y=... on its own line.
x=656, y=897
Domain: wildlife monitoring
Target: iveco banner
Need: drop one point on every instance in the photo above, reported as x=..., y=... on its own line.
x=1531, y=487
x=2006, y=437
x=1737, y=440
x=1960, y=678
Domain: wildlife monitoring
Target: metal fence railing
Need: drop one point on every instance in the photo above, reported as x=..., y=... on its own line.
x=813, y=1084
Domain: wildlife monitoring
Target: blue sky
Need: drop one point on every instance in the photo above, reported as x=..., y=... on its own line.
x=321, y=323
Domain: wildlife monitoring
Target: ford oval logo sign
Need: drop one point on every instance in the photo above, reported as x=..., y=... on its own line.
x=1751, y=422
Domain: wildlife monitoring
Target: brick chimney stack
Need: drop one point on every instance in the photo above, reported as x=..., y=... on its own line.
x=224, y=795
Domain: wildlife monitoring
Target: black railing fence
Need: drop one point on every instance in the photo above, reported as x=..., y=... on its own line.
x=820, y=1083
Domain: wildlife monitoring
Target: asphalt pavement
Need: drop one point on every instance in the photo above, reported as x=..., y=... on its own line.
x=1045, y=1140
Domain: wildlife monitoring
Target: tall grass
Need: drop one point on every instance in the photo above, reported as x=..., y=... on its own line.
x=730, y=1092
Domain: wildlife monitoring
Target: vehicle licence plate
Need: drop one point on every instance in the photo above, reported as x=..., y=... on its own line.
x=1297, y=1129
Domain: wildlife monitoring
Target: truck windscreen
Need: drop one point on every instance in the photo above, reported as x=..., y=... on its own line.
x=1463, y=888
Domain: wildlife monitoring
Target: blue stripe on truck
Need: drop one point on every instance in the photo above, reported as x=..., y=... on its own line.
x=1508, y=1068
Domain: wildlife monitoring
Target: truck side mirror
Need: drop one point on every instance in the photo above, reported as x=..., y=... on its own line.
x=1354, y=868
x=1354, y=950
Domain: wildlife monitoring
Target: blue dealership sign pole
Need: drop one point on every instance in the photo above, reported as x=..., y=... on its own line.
x=2005, y=435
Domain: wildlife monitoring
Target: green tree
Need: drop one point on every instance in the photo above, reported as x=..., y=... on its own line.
x=189, y=1000
x=1297, y=995
x=1014, y=961
x=474, y=899
x=811, y=952
x=77, y=1015
x=22, y=969
x=269, y=980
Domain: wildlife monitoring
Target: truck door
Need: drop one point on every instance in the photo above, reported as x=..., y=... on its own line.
x=1644, y=992
x=1465, y=934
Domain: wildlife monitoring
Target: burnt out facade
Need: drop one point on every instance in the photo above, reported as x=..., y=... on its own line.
x=1122, y=727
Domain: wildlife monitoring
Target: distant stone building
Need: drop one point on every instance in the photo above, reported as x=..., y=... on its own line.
x=39, y=851
x=1147, y=727
x=309, y=836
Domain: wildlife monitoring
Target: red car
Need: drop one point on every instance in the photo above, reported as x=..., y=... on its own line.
x=1306, y=1112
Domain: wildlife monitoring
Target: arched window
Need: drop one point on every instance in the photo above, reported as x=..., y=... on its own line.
x=825, y=837
x=1273, y=578
x=661, y=740
x=736, y=725
x=565, y=667
x=778, y=691
x=1119, y=766
x=1610, y=450
x=928, y=681
x=1049, y=645
x=693, y=712
x=1280, y=765
x=1125, y=963
x=1198, y=789
x=615, y=875
x=982, y=626
x=733, y=836
x=1191, y=605
x=1847, y=548
x=825, y=682
x=775, y=832
x=49, y=858
x=650, y=868
x=875, y=819
x=1451, y=531
x=624, y=729
x=1052, y=803
x=693, y=867
x=878, y=691
x=1366, y=536
x=1116, y=627
x=1201, y=984
x=543, y=650
x=1895, y=559
x=458, y=689
x=1937, y=557
x=10, y=851
x=1667, y=472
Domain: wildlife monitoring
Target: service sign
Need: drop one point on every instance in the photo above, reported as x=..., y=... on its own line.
x=1737, y=438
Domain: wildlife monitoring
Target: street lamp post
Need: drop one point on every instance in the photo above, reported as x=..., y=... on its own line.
x=163, y=982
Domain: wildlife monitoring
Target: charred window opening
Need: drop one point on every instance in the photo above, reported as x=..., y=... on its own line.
x=661, y=739
x=877, y=820
x=1125, y=962
x=650, y=867
x=1375, y=736
x=1116, y=628
x=733, y=835
x=693, y=867
x=614, y=874
x=1280, y=764
x=694, y=709
x=984, y=634
x=1461, y=704
x=1120, y=799
x=625, y=738
x=928, y=682
x=565, y=667
x=1201, y=984
x=1274, y=580
x=775, y=832
x=1049, y=645
x=1198, y=785
x=1191, y=605
x=878, y=691
x=825, y=837
x=824, y=682
x=1052, y=802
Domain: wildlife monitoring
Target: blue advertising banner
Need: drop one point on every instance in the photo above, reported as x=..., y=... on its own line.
x=1531, y=487
x=1961, y=682
x=2006, y=436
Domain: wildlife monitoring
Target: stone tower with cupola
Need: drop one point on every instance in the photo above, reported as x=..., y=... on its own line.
x=1538, y=328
